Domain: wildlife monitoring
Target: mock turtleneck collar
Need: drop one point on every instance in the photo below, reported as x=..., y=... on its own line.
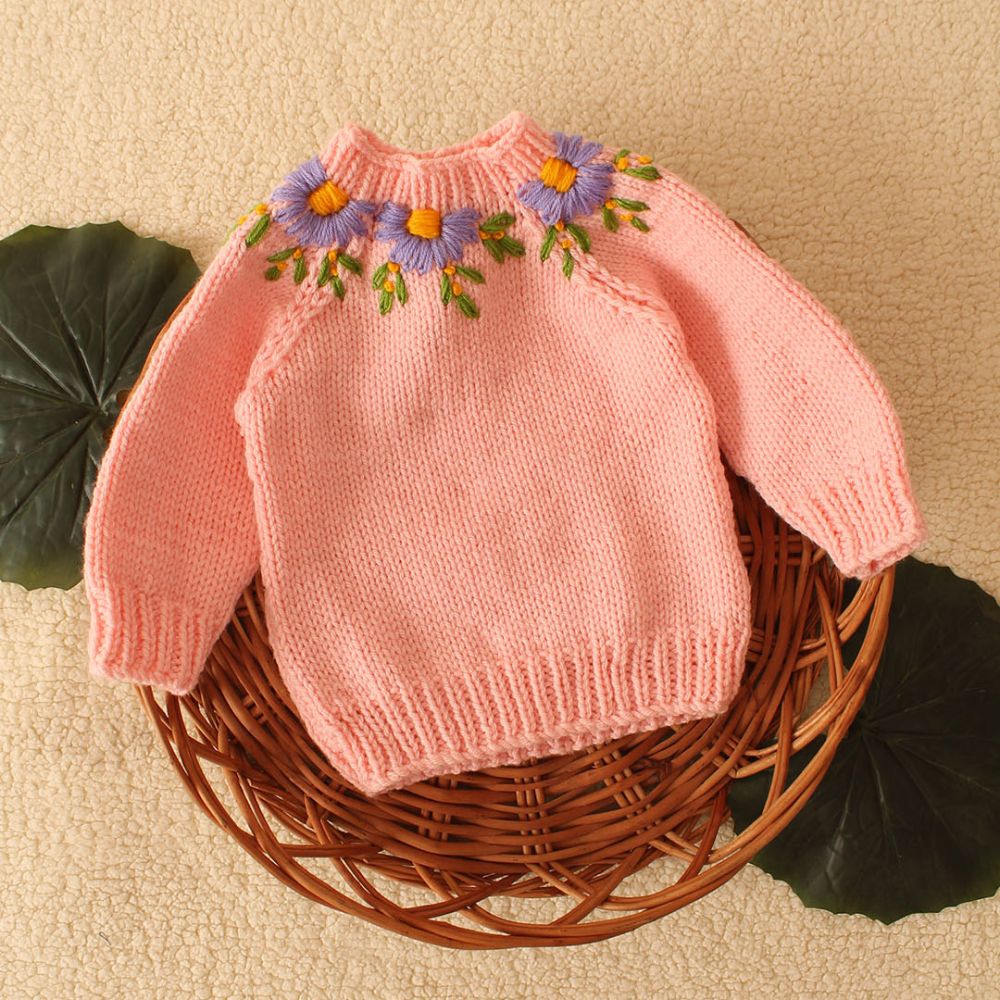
x=483, y=170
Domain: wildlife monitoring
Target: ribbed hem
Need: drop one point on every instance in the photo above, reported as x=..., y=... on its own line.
x=508, y=712
x=867, y=520
x=145, y=639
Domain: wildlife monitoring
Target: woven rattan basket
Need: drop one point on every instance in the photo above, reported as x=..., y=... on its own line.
x=557, y=851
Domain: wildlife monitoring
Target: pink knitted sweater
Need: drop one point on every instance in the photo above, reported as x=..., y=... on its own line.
x=464, y=409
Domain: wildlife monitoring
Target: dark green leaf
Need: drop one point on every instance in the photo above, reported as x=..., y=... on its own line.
x=468, y=307
x=547, y=244
x=324, y=271
x=79, y=310
x=513, y=247
x=338, y=285
x=351, y=263
x=300, y=269
x=282, y=254
x=647, y=173
x=567, y=264
x=493, y=247
x=496, y=222
x=639, y=224
x=258, y=229
x=384, y=301
x=445, y=288
x=273, y=273
x=631, y=205
x=621, y=153
x=379, y=276
x=610, y=219
x=471, y=273
x=580, y=235
x=401, y=292
x=906, y=819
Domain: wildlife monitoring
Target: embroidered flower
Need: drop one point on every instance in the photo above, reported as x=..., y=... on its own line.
x=423, y=238
x=318, y=213
x=316, y=210
x=570, y=183
x=574, y=182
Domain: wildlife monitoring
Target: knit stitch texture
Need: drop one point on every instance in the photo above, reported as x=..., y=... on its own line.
x=464, y=408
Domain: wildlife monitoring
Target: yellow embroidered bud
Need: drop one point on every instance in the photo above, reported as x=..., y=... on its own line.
x=610, y=203
x=644, y=159
x=327, y=199
x=261, y=208
x=560, y=224
x=389, y=285
x=450, y=269
x=331, y=255
x=621, y=163
x=424, y=222
x=241, y=220
x=483, y=235
x=456, y=288
x=626, y=216
x=393, y=266
x=566, y=242
x=498, y=235
x=557, y=173
x=281, y=265
x=298, y=253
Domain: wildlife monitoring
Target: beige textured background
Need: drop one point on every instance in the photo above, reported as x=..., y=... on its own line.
x=857, y=141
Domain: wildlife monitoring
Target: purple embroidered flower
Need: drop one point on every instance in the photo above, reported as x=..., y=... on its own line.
x=316, y=211
x=423, y=237
x=570, y=183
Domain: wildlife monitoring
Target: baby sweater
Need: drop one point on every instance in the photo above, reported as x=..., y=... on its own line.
x=466, y=409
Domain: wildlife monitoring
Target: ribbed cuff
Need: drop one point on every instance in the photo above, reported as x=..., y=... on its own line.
x=867, y=520
x=146, y=639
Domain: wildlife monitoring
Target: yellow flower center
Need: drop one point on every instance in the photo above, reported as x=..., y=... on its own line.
x=557, y=173
x=327, y=199
x=425, y=222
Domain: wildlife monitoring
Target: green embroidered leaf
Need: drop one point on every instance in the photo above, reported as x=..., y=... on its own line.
x=300, y=269
x=497, y=222
x=273, y=273
x=385, y=300
x=639, y=224
x=468, y=307
x=905, y=819
x=471, y=273
x=631, y=204
x=258, y=230
x=550, y=239
x=351, y=263
x=79, y=311
x=445, y=288
x=401, y=292
x=493, y=247
x=610, y=219
x=324, y=272
x=283, y=254
x=567, y=264
x=580, y=235
x=647, y=173
x=379, y=276
x=514, y=247
x=621, y=153
x=338, y=285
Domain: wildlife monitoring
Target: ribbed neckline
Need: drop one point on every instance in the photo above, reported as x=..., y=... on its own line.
x=484, y=168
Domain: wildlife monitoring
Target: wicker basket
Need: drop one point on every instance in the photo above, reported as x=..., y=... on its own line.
x=558, y=850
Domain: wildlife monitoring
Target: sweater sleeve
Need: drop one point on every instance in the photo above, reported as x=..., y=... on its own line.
x=170, y=536
x=800, y=412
